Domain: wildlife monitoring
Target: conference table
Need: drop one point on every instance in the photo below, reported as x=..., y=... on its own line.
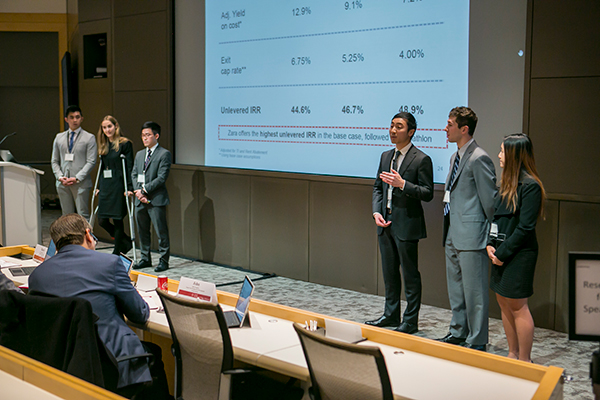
x=419, y=368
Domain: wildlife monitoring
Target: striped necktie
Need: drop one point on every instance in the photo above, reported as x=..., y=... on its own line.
x=71, y=138
x=147, y=160
x=452, y=176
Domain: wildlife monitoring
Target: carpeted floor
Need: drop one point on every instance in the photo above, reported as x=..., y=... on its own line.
x=550, y=347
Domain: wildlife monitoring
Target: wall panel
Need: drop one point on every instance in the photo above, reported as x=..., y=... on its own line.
x=279, y=226
x=343, y=248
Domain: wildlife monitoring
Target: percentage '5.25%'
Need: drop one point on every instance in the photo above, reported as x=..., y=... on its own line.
x=352, y=57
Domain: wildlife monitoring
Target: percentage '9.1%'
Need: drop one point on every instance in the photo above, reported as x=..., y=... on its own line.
x=353, y=5
x=352, y=57
x=300, y=60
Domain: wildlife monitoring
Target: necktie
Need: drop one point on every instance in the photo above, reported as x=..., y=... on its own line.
x=452, y=176
x=396, y=157
x=147, y=160
x=72, y=137
x=390, y=187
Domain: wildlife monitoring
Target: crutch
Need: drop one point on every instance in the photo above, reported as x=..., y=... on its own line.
x=129, y=209
x=95, y=210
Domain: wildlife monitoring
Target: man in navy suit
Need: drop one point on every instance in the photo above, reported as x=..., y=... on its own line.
x=77, y=270
x=149, y=174
x=404, y=179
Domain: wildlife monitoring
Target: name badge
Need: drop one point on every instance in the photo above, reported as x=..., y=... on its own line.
x=447, y=197
x=69, y=157
x=141, y=179
x=107, y=174
x=494, y=229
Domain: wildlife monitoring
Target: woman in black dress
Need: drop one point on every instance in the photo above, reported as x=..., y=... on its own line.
x=513, y=246
x=111, y=187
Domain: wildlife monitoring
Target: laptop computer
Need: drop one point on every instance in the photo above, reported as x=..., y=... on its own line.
x=127, y=262
x=235, y=318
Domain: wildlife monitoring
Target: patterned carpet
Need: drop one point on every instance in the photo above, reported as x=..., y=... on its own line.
x=550, y=347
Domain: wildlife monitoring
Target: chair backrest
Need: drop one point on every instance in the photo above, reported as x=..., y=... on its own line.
x=342, y=370
x=202, y=345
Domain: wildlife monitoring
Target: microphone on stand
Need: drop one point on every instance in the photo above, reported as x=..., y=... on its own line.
x=7, y=136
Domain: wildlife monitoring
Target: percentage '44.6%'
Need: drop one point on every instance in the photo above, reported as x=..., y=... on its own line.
x=352, y=57
x=300, y=109
x=413, y=53
x=414, y=109
x=300, y=61
x=356, y=109
x=300, y=11
x=353, y=5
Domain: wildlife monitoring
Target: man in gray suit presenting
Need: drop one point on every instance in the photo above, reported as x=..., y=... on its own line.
x=74, y=155
x=149, y=175
x=404, y=179
x=468, y=212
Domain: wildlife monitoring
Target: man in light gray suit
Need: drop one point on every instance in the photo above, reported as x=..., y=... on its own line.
x=74, y=155
x=149, y=175
x=468, y=212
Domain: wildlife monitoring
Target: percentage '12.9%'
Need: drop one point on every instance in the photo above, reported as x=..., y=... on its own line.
x=300, y=11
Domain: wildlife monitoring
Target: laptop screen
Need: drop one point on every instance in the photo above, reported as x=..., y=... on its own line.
x=244, y=298
x=51, y=249
x=126, y=261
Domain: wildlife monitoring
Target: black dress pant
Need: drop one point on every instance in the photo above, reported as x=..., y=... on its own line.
x=399, y=259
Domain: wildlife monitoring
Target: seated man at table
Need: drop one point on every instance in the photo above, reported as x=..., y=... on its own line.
x=77, y=270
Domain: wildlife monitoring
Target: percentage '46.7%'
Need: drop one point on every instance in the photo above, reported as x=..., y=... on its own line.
x=356, y=109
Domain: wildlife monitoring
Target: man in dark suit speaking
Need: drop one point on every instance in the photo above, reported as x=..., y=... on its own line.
x=404, y=179
x=149, y=175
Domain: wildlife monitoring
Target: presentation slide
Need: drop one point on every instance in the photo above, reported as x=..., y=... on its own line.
x=311, y=86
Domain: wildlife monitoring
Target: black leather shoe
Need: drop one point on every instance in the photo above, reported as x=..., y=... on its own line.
x=383, y=321
x=451, y=339
x=161, y=267
x=142, y=264
x=407, y=327
x=480, y=347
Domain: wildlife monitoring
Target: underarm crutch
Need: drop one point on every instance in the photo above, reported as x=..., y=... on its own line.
x=95, y=210
x=129, y=209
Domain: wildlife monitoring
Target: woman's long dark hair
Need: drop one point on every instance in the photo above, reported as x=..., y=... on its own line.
x=518, y=156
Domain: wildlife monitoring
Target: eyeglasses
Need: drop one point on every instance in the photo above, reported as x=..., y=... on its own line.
x=93, y=236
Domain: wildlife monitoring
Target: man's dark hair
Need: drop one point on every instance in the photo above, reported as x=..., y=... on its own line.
x=72, y=109
x=153, y=126
x=464, y=116
x=411, y=122
x=69, y=229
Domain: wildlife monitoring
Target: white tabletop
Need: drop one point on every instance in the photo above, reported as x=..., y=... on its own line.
x=18, y=280
x=15, y=389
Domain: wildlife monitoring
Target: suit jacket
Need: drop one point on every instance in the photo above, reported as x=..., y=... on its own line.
x=84, y=153
x=408, y=221
x=156, y=175
x=101, y=279
x=472, y=198
x=518, y=225
x=59, y=332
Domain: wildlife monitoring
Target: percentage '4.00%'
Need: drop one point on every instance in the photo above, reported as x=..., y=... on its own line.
x=414, y=53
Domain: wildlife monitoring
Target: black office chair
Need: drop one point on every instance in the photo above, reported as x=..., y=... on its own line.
x=344, y=371
x=202, y=348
